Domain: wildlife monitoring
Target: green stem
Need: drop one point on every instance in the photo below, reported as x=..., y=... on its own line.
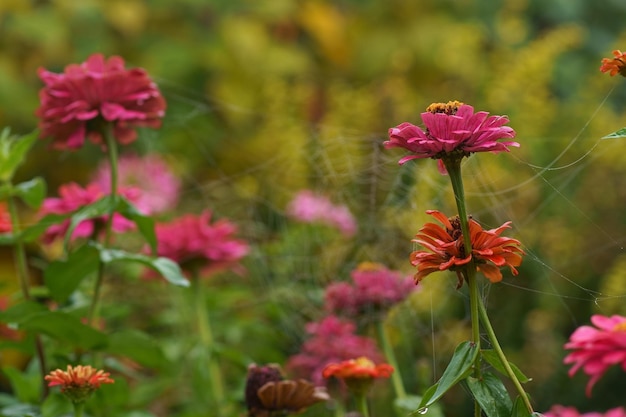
x=496, y=346
x=396, y=377
x=78, y=409
x=453, y=166
x=361, y=403
x=24, y=279
x=113, y=157
x=208, y=343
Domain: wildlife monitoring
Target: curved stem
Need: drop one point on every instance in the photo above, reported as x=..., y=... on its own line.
x=208, y=343
x=496, y=346
x=396, y=377
x=113, y=156
x=24, y=279
x=453, y=166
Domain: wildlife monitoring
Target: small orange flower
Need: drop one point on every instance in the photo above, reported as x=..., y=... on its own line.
x=78, y=382
x=358, y=368
x=445, y=249
x=615, y=65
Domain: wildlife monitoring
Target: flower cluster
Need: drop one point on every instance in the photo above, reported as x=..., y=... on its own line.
x=445, y=249
x=452, y=130
x=331, y=340
x=78, y=102
x=358, y=374
x=160, y=188
x=267, y=392
x=73, y=197
x=596, y=349
x=374, y=288
x=78, y=382
x=197, y=244
x=308, y=207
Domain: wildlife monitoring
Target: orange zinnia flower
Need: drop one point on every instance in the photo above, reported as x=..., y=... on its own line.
x=358, y=374
x=445, y=249
x=615, y=65
x=78, y=382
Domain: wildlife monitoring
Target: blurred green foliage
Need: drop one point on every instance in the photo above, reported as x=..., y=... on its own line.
x=268, y=97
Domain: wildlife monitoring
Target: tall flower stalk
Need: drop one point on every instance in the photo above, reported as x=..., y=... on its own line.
x=454, y=131
x=112, y=153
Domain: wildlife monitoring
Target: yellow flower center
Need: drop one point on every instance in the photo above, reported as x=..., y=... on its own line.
x=620, y=327
x=365, y=362
x=449, y=108
x=369, y=266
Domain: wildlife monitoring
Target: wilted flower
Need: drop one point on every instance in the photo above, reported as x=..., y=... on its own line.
x=160, y=189
x=331, y=340
x=5, y=219
x=358, y=374
x=309, y=207
x=78, y=382
x=615, y=65
x=596, y=349
x=446, y=250
x=76, y=103
x=73, y=197
x=375, y=288
x=194, y=242
x=562, y=411
x=452, y=131
x=268, y=393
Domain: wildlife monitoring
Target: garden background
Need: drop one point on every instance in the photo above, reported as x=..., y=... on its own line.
x=266, y=98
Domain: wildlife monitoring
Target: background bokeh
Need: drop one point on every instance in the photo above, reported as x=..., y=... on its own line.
x=269, y=97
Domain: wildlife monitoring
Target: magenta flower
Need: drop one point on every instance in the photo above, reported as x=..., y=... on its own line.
x=75, y=103
x=160, y=189
x=375, y=288
x=73, y=197
x=596, y=349
x=453, y=130
x=309, y=207
x=196, y=243
x=562, y=411
x=331, y=340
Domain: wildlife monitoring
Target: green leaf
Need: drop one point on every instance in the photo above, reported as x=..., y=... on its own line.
x=491, y=395
x=13, y=152
x=64, y=276
x=26, y=387
x=65, y=328
x=56, y=405
x=137, y=346
x=19, y=312
x=493, y=359
x=145, y=224
x=32, y=192
x=519, y=408
x=35, y=230
x=102, y=207
x=458, y=369
x=166, y=267
x=404, y=406
x=619, y=134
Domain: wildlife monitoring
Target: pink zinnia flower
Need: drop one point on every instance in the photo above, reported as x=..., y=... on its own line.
x=73, y=197
x=78, y=382
x=309, y=207
x=453, y=130
x=375, y=288
x=75, y=103
x=5, y=219
x=445, y=249
x=596, y=349
x=331, y=340
x=194, y=242
x=160, y=189
x=562, y=411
